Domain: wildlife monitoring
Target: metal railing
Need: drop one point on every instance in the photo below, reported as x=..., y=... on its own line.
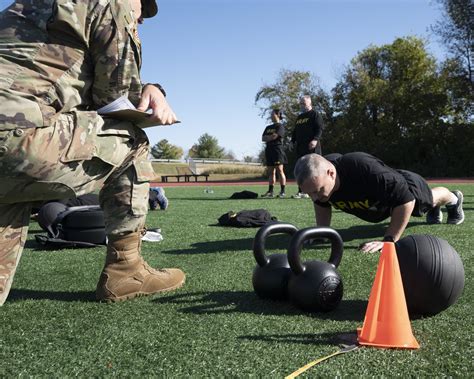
x=206, y=161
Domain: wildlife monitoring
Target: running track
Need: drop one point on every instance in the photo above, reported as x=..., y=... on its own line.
x=262, y=183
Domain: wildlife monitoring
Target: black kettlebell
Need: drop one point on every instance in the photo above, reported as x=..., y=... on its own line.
x=270, y=276
x=315, y=285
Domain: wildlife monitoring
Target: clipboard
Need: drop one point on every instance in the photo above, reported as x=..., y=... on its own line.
x=123, y=109
x=139, y=118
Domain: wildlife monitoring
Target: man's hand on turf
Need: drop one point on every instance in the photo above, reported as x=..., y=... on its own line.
x=371, y=247
x=152, y=98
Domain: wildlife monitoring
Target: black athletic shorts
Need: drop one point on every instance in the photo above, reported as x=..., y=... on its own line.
x=275, y=155
x=420, y=190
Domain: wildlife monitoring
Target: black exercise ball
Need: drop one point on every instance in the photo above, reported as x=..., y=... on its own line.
x=432, y=274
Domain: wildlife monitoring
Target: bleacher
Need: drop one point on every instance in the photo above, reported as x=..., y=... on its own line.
x=184, y=173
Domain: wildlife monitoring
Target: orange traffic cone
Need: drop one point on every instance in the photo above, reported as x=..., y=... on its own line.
x=386, y=322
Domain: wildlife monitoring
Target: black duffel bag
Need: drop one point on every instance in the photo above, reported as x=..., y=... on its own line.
x=80, y=226
x=246, y=218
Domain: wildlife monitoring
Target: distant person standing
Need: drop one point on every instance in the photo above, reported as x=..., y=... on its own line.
x=275, y=156
x=306, y=137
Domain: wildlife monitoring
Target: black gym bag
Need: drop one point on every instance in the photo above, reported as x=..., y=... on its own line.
x=244, y=195
x=246, y=218
x=81, y=226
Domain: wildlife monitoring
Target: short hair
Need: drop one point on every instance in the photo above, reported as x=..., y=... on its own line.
x=278, y=112
x=306, y=97
x=309, y=166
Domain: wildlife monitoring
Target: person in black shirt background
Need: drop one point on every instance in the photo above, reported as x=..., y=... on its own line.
x=275, y=156
x=362, y=185
x=307, y=133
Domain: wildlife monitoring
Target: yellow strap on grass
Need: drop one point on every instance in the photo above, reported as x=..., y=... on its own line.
x=315, y=362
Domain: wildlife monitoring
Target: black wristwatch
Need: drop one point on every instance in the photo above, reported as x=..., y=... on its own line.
x=157, y=86
x=388, y=239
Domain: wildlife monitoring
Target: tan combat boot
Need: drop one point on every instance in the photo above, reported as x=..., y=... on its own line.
x=126, y=274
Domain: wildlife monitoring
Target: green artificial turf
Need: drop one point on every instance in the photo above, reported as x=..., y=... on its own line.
x=215, y=326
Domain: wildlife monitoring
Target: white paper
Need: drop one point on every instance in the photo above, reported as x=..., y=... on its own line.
x=117, y=105
x=123, y=109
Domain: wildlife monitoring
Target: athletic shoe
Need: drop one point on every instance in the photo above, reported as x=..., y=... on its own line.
x=281, y=195
x=157, y=198
x=455, y=212
x=434, y=216
x=301, y=195
x=268, y=194
x=162, y=199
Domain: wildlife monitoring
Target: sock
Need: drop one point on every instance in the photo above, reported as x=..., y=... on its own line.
x=282, y=189
x=453, y=201
x=270, y=188
x=299, y=190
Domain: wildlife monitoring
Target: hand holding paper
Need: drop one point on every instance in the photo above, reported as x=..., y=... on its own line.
x=152, y=98
x=160, y=113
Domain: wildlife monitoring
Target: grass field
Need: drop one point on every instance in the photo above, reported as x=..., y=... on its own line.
x=215, y=326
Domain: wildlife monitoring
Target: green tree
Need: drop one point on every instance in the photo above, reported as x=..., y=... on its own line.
x=207, y=147
x=459, y=90
x=164, y=150
x=286, y=92
x=456, y=30
x=390, y=102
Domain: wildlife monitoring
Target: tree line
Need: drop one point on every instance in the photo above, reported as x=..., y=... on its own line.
x=207, y=146
x=395, y=101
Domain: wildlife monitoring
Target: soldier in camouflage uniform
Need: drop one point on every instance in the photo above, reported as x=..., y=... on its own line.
x=60, y=61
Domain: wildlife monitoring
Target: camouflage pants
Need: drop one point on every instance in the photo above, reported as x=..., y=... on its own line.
x=79, y=154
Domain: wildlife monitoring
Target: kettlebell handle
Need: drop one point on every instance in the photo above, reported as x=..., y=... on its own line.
x=297, y=241
x=263, y=233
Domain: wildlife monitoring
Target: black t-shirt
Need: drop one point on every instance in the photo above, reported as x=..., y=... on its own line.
x=308, y=126
x=274, y=128
x=369, y=189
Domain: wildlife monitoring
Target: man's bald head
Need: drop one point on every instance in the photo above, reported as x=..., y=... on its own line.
x=309, y=166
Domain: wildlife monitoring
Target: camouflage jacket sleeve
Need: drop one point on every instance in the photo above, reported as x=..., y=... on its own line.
x=114, y=48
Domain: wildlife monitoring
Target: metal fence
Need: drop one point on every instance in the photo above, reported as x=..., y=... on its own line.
x=192, y=161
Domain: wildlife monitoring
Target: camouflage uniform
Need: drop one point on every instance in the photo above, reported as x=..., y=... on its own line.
x=61, y=61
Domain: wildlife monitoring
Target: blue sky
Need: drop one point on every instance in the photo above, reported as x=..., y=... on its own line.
x=212, y=56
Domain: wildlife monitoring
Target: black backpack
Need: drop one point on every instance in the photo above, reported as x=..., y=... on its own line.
x=81, y=226
x=246, y=218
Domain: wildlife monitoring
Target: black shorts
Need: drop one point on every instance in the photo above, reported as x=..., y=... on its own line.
x=420, y=190
x=275, y=155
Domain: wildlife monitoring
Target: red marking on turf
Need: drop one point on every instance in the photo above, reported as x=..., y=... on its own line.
x=450, y=180
x=262, y=183
x=206, y=184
